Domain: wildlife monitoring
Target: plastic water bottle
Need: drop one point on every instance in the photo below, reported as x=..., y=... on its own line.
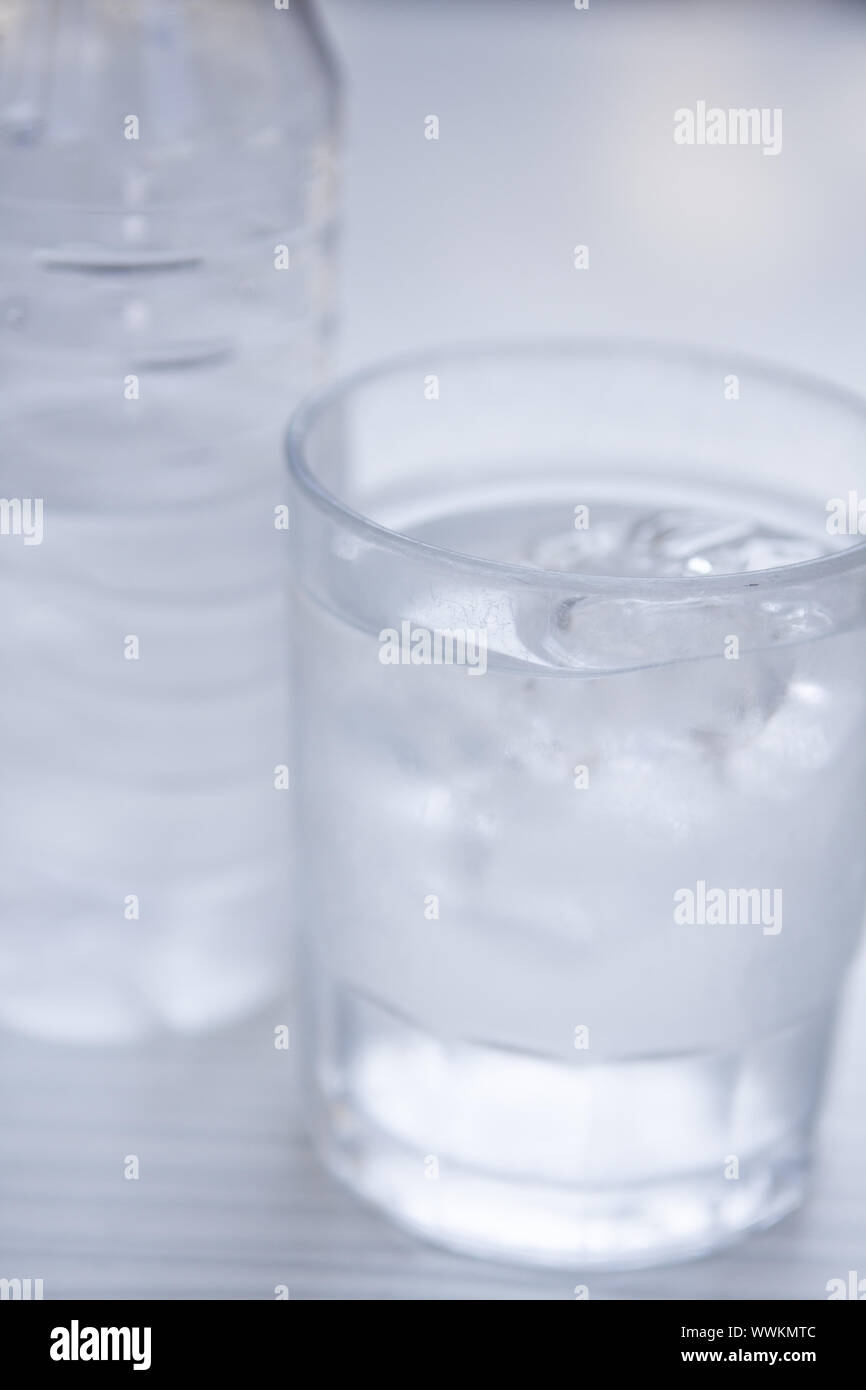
x=167, y=177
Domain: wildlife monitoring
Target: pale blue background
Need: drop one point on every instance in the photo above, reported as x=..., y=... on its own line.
x=556, y=128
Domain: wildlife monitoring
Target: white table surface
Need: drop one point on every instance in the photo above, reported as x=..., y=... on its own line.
x=230, y=1202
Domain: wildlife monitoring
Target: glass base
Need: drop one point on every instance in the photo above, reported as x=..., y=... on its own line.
x=588, y=1164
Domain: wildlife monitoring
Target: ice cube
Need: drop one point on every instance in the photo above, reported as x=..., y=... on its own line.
x=660, y=797
x=808, y=732
x=593, y=550
x=680, y=541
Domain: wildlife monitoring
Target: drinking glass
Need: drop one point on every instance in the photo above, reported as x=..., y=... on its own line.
x=580, y=686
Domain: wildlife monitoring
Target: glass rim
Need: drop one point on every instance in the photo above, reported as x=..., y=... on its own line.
x=315, y=406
